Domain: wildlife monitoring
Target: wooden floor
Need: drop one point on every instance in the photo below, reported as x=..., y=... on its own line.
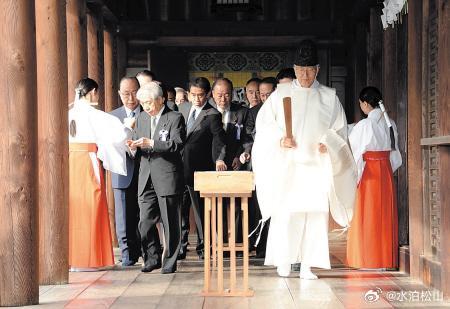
x=337, y=288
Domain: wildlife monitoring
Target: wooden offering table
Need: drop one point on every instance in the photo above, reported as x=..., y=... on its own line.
x=214, y=186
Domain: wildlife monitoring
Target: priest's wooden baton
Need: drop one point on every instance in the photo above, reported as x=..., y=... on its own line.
x=288, y=116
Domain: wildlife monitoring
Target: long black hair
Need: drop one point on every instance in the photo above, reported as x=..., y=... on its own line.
x=372, y=95
x=84, y=86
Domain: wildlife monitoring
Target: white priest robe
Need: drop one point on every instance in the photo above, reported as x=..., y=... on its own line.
x=372, y=134
x=294, y=185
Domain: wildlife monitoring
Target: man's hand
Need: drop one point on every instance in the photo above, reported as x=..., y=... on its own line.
x=236, y=164
x=220, y=166
x=143, y=142
x=287, y=142
x=322, y=148
x=129, y=122
x=244, y=158
x=130, y=145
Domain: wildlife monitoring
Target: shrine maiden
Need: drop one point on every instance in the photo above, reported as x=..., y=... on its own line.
x=373, y=234
x=94, y=136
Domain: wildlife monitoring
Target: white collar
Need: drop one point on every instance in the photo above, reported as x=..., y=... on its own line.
x=375, y=114
x=136, y=110
x=296, y=84
x=223, y=110
x=197, y=108
x=157, y=116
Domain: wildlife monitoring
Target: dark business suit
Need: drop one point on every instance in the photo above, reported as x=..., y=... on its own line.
x=205, y=144
x=234, y=134
x=254, y=213
x=161, y=186
x=126, y=205
x=171, y=105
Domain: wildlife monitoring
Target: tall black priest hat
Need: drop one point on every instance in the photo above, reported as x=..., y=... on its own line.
x=306, y=54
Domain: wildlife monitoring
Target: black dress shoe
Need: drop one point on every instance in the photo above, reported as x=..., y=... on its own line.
x=201, y=255
x=150, y=268
x=181, y=256
x=168, y=271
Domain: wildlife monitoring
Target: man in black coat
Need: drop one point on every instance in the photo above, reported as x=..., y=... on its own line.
x=233, y=118
x=158, y=139
x=204, y=150
x=266, y=87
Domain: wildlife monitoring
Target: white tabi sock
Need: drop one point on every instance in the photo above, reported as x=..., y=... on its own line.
x=305, y=273
x=284, y=270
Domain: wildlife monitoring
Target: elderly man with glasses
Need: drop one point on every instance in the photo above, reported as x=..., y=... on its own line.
x=157, y=142
x=125, y=187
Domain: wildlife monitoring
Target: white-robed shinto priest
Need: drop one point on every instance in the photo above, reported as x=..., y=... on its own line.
x=300, y=180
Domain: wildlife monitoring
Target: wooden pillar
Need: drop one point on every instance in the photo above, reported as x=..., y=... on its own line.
x=110, y=104
x=77, y=57
x=95, y=53
x=110, y=72
x=360, y=67
x=375, y=45
x=164, y=7
x=444, y=130
x=414, y=153
x=389, y=68
x=51, y=51
x=122, y=58
x=401, y=119
x=18, y=153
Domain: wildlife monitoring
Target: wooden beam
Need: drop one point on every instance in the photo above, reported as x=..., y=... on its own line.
x=106, y=12
x=154, y=29
x=436, y=141
x=414, y=151
x=444, y=130
x=51, y=51
x=229, y=41
x=77, y=54
x=18, y=148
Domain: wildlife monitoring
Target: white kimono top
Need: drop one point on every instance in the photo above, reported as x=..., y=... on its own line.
x=372, y=134
x=301, y=179
x=104, y=130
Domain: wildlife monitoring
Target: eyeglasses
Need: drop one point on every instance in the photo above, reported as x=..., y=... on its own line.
x=128, y=93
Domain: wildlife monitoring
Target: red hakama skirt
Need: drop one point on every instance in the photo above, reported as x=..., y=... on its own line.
x=90, y=244
x=373, y=233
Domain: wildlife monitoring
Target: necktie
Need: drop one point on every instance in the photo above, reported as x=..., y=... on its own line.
x=191, y=121
x=132, y=114
x=153, y=127
x=224, y=119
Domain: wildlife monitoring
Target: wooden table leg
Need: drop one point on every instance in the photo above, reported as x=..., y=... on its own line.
x=214, y=231
x=206, y=244
x=244, y=206
x=232, y=245
x=220, y=244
